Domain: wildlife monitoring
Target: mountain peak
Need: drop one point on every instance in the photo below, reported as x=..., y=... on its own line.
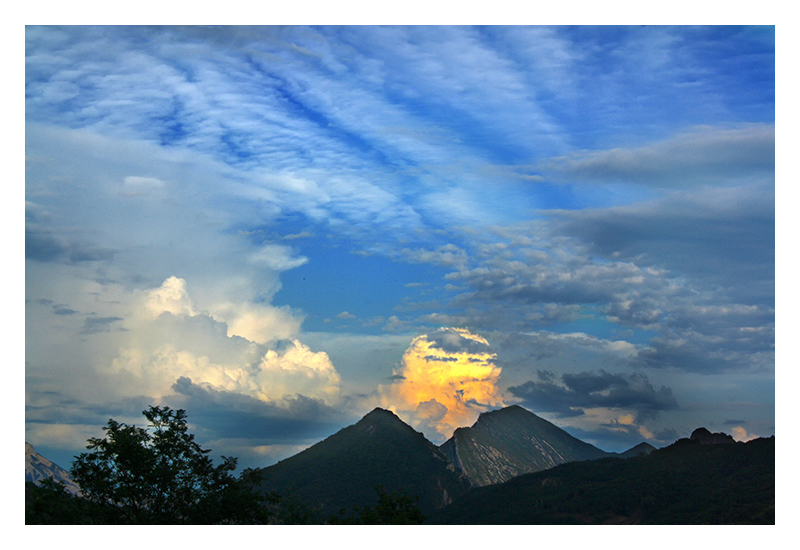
x=507, y=442
x=380, y=449
x=642, y=448
x=378, y=413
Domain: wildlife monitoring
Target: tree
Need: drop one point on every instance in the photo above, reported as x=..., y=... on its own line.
x=161, y=475
x=396, y=508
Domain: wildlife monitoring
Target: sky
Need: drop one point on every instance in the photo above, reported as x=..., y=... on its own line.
x=279, y=229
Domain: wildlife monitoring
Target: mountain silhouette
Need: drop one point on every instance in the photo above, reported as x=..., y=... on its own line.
x=638, y=450
x=508, y=442
x=687, y=482
x=343, y=470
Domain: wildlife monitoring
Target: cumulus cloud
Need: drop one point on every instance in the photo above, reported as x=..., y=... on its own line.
x=298, y=370
x=446, y=378
x=258, y=323
x=170, y=297
x=173, y=340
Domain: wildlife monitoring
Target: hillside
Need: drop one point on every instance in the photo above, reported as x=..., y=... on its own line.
x=508, y=442
x=379, y=450
x=685, y=483
x=38, y=468
x=640, y=449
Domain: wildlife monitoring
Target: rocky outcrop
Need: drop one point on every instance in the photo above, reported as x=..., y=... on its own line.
x=705, y=437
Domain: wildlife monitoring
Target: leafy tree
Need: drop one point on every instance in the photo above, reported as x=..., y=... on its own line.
x=161, y=475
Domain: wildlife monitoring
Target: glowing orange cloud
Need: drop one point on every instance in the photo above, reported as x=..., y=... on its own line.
x=445, y=380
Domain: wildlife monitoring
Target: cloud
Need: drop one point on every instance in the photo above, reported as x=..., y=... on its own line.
x=739, y=433
x=700, y=156
x=260, y=323
x=694, y=269
x=93, y=325
x=277, y=257
x=498, y=154
x=446, y=378
x=172, y=339
x=571, y=393
x=170, y=297
x=298, y=370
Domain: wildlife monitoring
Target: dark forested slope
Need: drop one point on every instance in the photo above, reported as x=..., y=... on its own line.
x=685, y=483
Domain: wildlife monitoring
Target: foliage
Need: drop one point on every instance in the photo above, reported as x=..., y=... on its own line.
x=396, y=508
x=160, y=475
x=49, y=503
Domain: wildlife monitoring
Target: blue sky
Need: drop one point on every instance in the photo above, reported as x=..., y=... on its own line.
x=281, y=228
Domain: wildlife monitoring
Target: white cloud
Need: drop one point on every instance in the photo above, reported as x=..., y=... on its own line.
x=277, y=257
x=298, y=370
x=170, y=297
x=258, y=323
x=173, y=340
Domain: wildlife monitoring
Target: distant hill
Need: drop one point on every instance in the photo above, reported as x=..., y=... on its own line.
x=343, y=470
x=508, y=442
x=38, y=468
x=638, y=450
x=684, y=483
x=704, y=437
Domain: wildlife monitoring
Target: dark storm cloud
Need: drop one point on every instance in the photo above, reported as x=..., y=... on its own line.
x=443, y=359
x=229, y=415
x=43, y=247
x=59, y=407
x=579, y=391
x=452, y=341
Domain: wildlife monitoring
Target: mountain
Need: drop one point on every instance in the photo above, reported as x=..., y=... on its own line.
x=640, y=449
x=379, y=450
x=685, y=483
x=508, y=442
x=704, y=437
x=38, y=468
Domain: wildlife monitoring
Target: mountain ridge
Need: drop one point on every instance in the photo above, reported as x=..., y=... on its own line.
x=512, y=441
